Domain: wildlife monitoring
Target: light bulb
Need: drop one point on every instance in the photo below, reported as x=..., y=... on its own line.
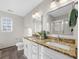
x=63, y=1
x=53, y=4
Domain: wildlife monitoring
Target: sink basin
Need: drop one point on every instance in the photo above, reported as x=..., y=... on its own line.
x=58, y=45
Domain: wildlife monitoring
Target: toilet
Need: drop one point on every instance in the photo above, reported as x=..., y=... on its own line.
x=19, y=44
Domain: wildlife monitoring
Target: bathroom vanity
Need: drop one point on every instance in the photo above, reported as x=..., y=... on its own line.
x=53, y=22
x=41, y=49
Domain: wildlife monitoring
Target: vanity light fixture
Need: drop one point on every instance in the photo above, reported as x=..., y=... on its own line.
x=53, y=4
x=37, y=15
x=57, y=3
x=33, y=15
x=63, y=1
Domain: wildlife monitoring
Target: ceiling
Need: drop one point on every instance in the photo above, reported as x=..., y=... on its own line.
x=61, y=11
x=18, y=7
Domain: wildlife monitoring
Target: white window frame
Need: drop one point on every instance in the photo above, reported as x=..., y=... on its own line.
x=2, y=24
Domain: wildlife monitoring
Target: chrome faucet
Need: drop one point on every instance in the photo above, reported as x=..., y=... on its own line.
x=59, y=38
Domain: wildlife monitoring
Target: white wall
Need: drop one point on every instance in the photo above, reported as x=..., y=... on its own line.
x=18, y=26
x=28, y=20
x=28, y=23
x=44, y=8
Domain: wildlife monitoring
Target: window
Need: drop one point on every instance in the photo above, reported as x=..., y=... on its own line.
x=6, y=24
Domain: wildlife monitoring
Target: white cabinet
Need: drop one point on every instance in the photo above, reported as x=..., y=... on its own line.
x=36, y=51
x=47, y=56
x=41, y=48
x=55, y=54
x=31, y=49
x=27, y=48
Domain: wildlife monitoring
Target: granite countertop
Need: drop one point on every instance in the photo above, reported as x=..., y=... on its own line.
x=71, y=52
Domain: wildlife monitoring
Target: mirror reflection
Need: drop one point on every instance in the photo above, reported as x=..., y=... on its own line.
x=58, y=20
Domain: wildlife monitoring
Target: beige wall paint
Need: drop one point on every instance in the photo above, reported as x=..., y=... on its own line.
x=18, y=26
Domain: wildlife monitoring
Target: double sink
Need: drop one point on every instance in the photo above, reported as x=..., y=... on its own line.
x=59, y=45
x=56, y=44
x=50, y=42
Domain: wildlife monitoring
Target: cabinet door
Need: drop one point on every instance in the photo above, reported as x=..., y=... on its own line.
x=27, y=48
x=56, y=55
x=41, y=52
x=46, y=56
x=35, y=51
x=34, y=56
x=29, y=51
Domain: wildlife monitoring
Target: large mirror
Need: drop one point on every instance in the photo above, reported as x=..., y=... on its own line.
x=58, y=20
